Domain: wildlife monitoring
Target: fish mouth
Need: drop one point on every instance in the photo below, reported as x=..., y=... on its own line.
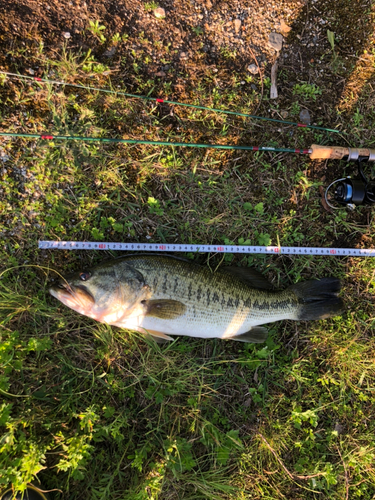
x=77, y=297
x=61, y=290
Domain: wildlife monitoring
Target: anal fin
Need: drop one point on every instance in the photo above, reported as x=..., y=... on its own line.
x=256, y=335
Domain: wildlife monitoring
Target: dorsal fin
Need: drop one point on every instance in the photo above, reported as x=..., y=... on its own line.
x=248, y=275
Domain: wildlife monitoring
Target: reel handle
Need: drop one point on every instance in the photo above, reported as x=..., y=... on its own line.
x=339, y=153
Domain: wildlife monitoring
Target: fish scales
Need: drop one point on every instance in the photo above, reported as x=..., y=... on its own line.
x=164, y=295
x=200, y=290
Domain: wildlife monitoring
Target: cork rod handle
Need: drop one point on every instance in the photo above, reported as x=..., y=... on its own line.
x=338, y=152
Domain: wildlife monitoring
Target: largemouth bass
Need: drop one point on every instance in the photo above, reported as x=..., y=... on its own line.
x=162, y=295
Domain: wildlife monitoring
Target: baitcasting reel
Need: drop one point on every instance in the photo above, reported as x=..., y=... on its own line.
x=352, y=192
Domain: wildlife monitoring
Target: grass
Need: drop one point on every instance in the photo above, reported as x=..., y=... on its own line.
x=97, y=411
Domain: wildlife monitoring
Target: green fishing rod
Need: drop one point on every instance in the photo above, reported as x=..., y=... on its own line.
x=49, y=137
x=315, y=151
x=161, y=101
x=348, y=192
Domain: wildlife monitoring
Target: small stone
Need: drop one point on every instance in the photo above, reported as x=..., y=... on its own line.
x=160, y=73
x=304, y=117
x=284, y=114
x=110, y=52
x=275, y=40
x=31, y=71
x=183, y=55
x=253, y=68
x=66, y=34
x=237, y=25
x=339, y=428
x=159, y=13
x=200, y=16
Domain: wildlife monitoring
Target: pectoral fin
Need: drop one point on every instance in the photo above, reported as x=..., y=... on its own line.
x=165, y=308
x=256, y=335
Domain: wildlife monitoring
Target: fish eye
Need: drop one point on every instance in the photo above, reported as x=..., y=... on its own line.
x=84, y=276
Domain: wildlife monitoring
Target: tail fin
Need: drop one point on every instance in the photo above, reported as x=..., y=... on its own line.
x=318, y=298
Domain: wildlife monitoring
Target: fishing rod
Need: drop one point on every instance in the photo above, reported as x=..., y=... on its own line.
x=315, y=151
x=50, y=137
x=165, y=101
x=348, y=192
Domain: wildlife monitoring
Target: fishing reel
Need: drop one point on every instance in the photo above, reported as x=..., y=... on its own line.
x=353, y=192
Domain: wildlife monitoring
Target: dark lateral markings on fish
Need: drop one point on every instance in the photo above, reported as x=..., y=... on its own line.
x=161, y=296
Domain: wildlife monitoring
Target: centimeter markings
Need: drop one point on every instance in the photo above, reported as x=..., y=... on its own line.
x=177, y=247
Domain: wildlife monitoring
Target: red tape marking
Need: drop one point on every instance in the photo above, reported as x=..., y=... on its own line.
x=301, y=125
x=47, y=137
x=37, y=78
x=159, y=100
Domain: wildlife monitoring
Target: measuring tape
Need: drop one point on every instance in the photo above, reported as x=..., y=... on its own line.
x=176, y=247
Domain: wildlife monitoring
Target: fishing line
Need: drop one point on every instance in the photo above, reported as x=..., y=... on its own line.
x=161, y=101
x=178, y=247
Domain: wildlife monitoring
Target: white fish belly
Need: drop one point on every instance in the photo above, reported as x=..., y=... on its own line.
x=217, y=304
x=207, y=324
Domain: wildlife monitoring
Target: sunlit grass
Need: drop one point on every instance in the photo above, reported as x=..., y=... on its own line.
x=90, y=409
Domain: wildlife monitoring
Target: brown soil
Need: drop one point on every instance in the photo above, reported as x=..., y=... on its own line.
x=196, y=35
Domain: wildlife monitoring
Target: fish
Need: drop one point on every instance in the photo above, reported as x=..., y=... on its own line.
x=164, y=296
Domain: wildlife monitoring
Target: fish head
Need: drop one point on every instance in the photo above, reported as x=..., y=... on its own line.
x=105, y=293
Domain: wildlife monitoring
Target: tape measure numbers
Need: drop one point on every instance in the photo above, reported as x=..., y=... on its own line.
x=176, y=247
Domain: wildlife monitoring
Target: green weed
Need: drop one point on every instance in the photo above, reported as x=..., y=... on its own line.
x=116, y=38
x=150, y=6
x=228, y=53
x=307, y=90
x=99, y=411
x=96, y=29
x=198, y=30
